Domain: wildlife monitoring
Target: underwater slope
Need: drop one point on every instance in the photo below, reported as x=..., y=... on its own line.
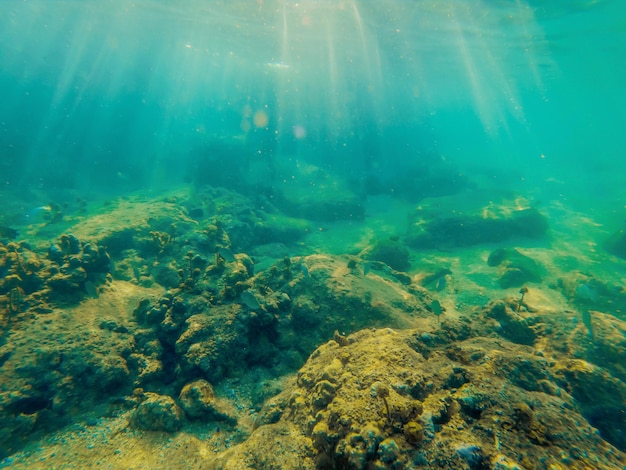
x=152, y=323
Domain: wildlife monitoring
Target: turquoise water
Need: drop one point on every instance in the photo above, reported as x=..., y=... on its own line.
x=210, y=190
x=118, y=95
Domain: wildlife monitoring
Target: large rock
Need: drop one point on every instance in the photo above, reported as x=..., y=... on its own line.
x=387, y=399
x=199, y=401
x=474, y=227
x=514, y=268
x=391, y=252
x=157, y=413
x=213, y=345
x=306, y=190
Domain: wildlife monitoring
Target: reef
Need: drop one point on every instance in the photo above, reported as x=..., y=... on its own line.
x=288, y=302
x=70, y=271
x=197, y=326
x=404, y=399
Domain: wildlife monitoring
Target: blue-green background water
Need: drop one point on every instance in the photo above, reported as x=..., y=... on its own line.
x=119, y=95
x=510, y=112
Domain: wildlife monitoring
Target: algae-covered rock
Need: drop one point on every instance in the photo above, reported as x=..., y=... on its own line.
x=391, y=252
x=166, y=275
x=388, y=451
x=600, y=396
x=214, y=345
x=157, y=413
x=355, y=407
x=59, y=364
x=199, y=401
x=514, y=268
x=461, y=230
x=587, y=292
x=513, y=325
x=313, y=193
x=338, y=297
x=275, y=226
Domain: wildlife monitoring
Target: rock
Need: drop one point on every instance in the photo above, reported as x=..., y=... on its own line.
x=502, y=462
x=157, y=413
x=200, y=402
x=388, y=451
x=214, y=346
x=275, y=226
x=600, y=396
x=330, y=417
x=167, y=276
x=467, y=230
x=196, y=213
x=111, y=375
x=513, y=325
x=413, y=432
x=515, y=269
x=391, y=252
x=332, y=200
x=616, y=244
x=590, y=293
x=149, y=369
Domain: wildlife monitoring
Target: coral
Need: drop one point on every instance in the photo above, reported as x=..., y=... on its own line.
x=21, y=268
x=216, y=235
x=162, y=240
x=79, y=265
x=72, y=269
x=191, y=271
x=523, y=291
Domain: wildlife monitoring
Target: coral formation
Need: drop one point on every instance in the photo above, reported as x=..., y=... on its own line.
x=167, y=322
x=71, y=271
x=481, y=422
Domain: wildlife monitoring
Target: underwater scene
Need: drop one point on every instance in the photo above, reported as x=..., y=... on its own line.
x=314, y=234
